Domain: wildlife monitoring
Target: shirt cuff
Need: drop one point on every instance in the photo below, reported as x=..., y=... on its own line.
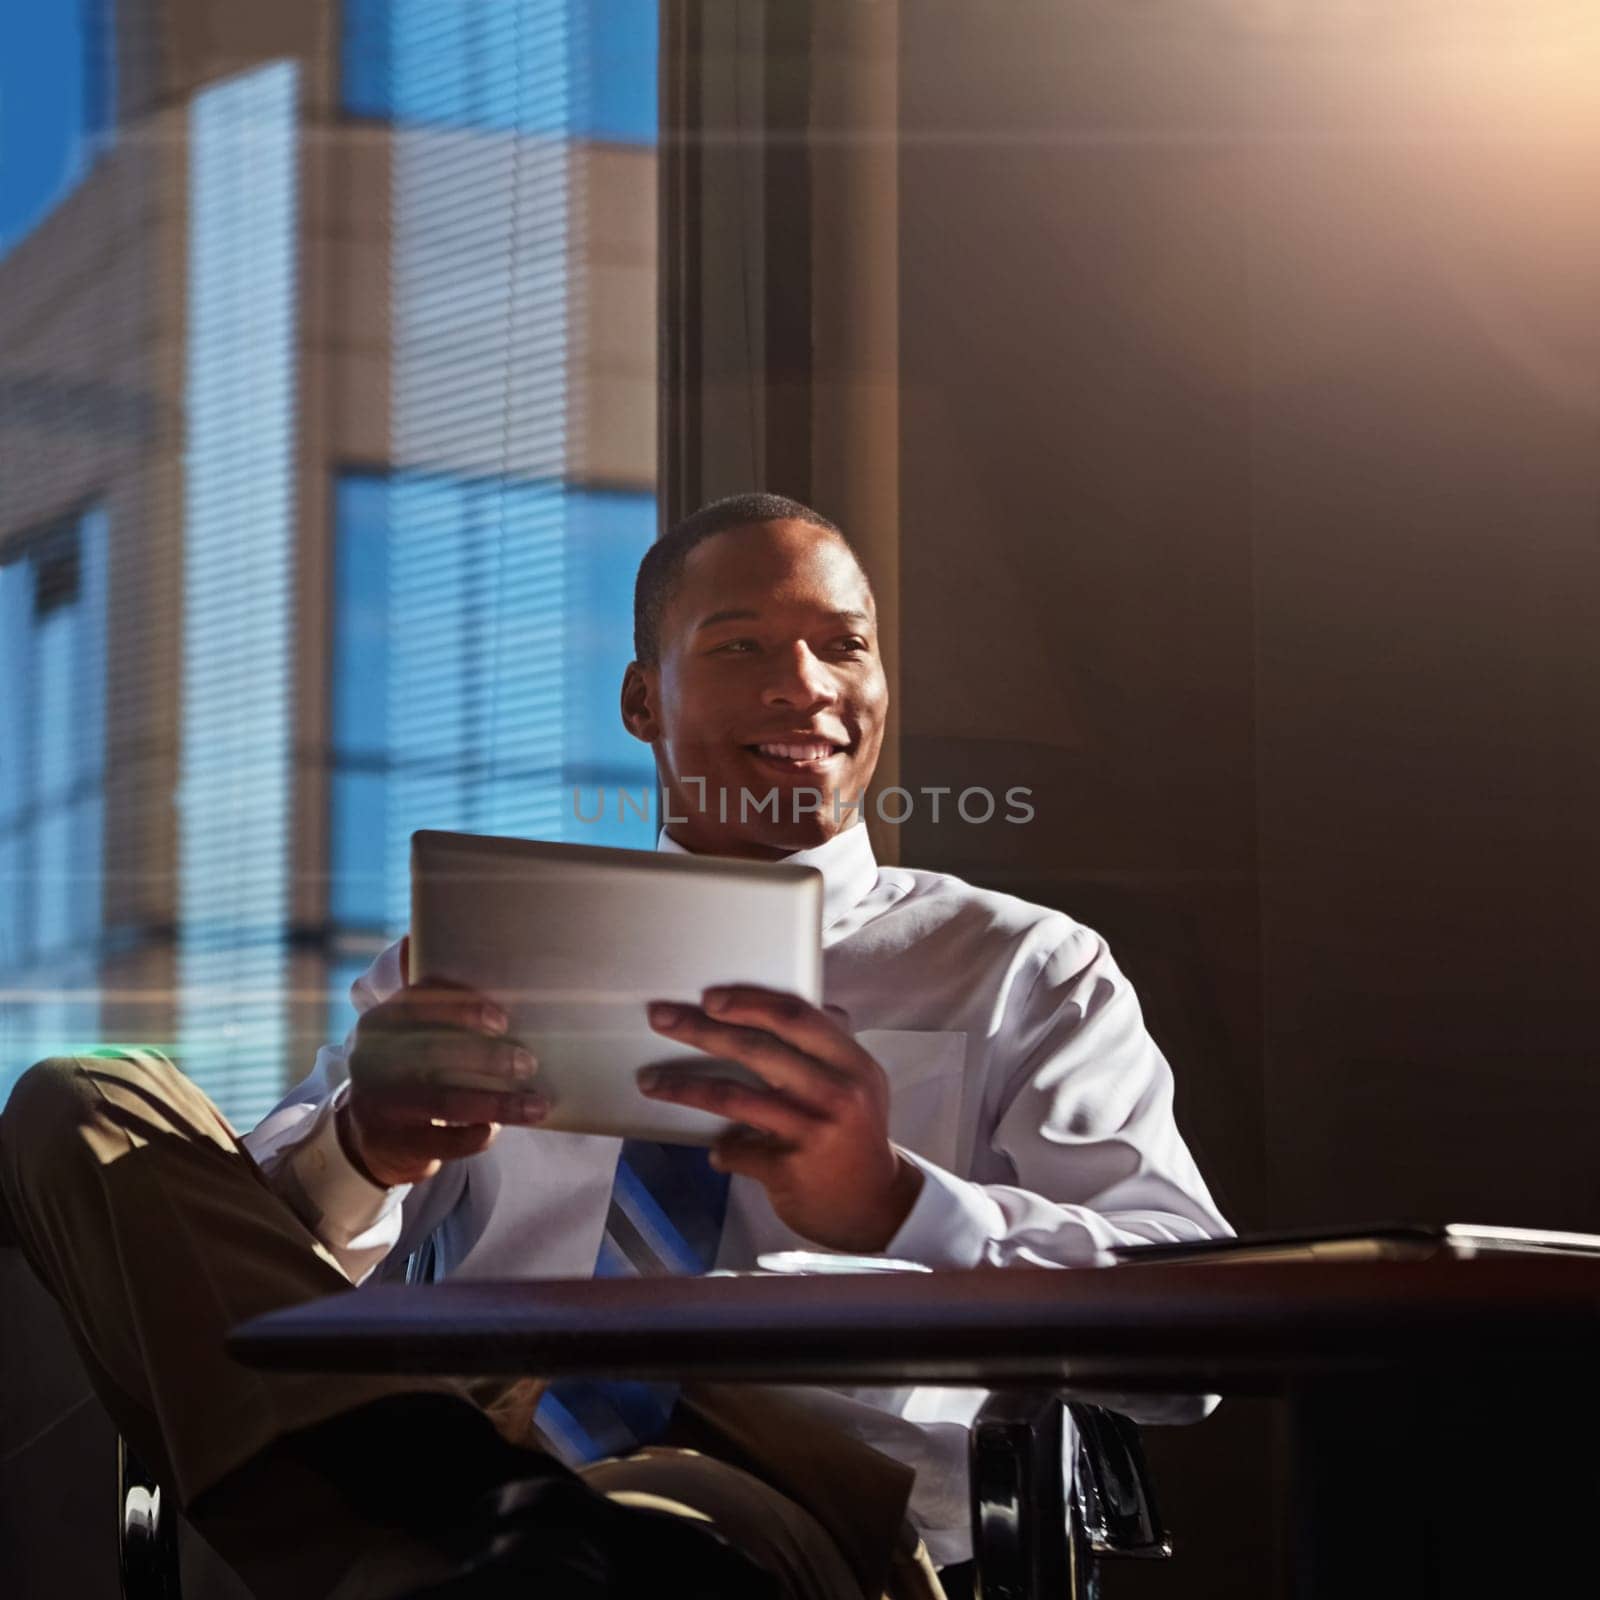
x=340, y=1203
x=951, y=1224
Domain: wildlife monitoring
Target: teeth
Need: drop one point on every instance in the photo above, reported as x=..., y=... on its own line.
x=797, y=752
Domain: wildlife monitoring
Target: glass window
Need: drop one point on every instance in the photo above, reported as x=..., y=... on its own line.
x=507, y=611
x=343, y=971
x=359, y=801
x=52, y=661
x=620, y=73
x=361, y=581
x=609, y=534
x=236, y=742
x=580, y=67
x=57, y=105
x=287, y=705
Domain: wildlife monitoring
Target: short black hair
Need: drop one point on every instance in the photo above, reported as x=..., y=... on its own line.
x=663, y=561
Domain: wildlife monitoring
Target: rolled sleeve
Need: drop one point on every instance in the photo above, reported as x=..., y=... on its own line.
x=355, y=1218
x=297, y=1147
x=951, y=1223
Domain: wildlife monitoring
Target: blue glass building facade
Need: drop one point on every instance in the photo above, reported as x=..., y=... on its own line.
x=483, y=581
x=446, y=62
x=480, y=633
x=52, y=789
x=331, y=468
x=235, y=793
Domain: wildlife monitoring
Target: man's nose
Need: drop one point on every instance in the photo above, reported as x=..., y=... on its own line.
x=800, y=679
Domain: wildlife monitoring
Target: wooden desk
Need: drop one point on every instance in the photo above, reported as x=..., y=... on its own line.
x=1233, y=1329
x=1445, y=1415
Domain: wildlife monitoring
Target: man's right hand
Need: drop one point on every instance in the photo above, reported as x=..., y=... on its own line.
x=399, y=1123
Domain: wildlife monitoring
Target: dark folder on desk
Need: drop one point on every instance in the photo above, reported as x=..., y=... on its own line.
x=1398, y=1241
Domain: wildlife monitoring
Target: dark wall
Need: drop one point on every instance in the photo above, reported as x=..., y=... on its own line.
x=1250, y=482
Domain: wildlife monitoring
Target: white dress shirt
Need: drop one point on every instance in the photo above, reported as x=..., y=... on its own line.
x=1023, y=1084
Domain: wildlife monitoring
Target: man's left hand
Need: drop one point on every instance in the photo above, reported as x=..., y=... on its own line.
x=816, y=1134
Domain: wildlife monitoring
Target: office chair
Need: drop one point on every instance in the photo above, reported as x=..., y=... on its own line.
x=147, y=1532
x=1030, y=1540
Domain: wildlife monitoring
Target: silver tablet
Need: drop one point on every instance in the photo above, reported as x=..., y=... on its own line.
x=573, y=940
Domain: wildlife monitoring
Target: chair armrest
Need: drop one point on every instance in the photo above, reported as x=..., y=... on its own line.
x=1020, y=1544
x=1030, y=1538
x=147, y=1533
x=1115, y=1500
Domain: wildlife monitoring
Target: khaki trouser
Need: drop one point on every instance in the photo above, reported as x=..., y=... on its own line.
x=143, y=1215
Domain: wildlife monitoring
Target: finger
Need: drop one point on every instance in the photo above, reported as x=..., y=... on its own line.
x=795, y=1020
x=774, y=1114
x=777, y=1064
x=465, y=1060
x=439, y=1005
x=417, y=1104
x=425, y=1058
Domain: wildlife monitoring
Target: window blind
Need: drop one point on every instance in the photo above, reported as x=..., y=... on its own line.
x=52, y=803
x=483, y=596
x=239, y=499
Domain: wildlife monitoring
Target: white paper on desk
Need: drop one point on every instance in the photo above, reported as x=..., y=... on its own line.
x=801, y=1262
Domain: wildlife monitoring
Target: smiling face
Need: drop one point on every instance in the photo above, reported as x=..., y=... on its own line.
x=767, y=698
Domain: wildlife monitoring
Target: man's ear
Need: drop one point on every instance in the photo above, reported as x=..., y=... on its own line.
x=639, y=688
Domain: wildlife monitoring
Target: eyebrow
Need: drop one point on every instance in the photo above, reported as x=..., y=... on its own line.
x=750, y=616
x=723, y=616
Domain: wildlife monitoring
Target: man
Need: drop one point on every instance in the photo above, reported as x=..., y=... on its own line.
x=978, y=1090
x=993, y=1099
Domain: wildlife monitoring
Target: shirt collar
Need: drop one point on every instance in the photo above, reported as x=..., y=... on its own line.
x=848, y=867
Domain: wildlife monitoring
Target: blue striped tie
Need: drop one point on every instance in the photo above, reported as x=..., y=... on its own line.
x=666, y=1214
